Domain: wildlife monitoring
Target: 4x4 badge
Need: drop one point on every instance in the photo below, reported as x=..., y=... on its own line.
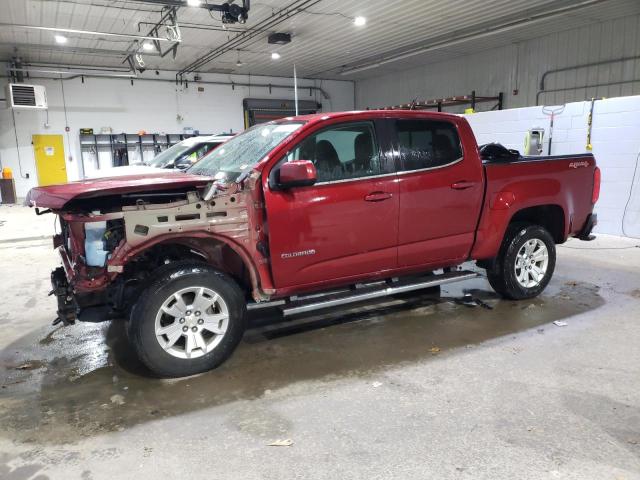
x=578, y=164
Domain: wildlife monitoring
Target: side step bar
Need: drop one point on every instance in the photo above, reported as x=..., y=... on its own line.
x=381, y=289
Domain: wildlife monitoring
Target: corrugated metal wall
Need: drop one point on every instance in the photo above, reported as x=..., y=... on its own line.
x=520, y=67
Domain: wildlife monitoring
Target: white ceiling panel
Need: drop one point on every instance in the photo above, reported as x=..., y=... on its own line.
x=325, y=42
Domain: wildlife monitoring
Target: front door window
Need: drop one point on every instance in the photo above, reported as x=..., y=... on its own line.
x=341, y=153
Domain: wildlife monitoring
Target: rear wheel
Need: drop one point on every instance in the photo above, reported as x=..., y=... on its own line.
x=189, y=320
x=525, y=263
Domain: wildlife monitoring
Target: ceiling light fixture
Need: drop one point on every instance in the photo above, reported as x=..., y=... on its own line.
x=147, y=46
x=359, y=21
x=275, y=56
x=194, y=3
x=60, y=39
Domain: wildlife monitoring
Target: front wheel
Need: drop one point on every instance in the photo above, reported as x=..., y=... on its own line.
x=525, y=263
x=189, y=320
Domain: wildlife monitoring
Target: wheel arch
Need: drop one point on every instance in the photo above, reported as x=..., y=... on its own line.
x=551, y=217
x=219, y=252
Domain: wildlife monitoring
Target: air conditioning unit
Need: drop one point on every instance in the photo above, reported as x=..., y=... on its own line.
x=21, y=96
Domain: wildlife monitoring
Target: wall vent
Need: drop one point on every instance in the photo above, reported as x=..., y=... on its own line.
x=21, y=96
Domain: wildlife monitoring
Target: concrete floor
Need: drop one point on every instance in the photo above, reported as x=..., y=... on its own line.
x=425, y=388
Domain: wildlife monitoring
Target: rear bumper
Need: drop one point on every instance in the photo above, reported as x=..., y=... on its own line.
x=585, y=233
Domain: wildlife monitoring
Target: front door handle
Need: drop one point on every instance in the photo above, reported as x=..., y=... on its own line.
x=377, y=196
x=462, y=185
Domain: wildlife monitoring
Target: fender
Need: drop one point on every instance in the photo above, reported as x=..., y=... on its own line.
x=125, y=252
x=492, y=231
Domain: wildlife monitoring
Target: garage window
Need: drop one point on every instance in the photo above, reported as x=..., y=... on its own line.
x=342, y=152
x=427, y=144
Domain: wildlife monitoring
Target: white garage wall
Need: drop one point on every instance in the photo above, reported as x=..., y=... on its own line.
x=616, y=146
x=146, y=105
x=520, y=67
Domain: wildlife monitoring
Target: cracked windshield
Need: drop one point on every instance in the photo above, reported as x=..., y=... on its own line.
x=239, y=154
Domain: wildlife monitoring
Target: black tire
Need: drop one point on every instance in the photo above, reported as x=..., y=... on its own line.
x=502, y=274
x=175, y=278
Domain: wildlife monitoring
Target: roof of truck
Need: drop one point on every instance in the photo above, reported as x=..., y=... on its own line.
x=372, y=113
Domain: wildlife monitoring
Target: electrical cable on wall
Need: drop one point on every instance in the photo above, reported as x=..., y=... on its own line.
x=15, y=131
x=626, y=206
x=66, y=125
x=2, y=100
x=327, y=99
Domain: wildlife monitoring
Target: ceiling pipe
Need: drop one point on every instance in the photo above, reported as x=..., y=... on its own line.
x=168, y=20
x=100, y=52
x=183, y=3
x=200, y=26
x=166, y=80
x=584, y=65
x=70, y=67
x=245, y=37
x=75, y=75
x=580, y=87
x=86, y=32
x=505, y=27
x=106, y=4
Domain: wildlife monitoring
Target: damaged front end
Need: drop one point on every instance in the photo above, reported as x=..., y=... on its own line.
x=112, y=245
x=85, y=243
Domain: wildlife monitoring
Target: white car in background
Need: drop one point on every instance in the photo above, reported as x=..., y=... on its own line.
x=177, y=157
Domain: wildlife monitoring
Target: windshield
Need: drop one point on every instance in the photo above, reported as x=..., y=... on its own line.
x=242, y=152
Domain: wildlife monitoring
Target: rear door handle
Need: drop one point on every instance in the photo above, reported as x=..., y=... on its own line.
x=377, y=196
x=462, y=185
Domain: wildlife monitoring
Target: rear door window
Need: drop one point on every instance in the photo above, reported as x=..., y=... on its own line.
x=427, y=144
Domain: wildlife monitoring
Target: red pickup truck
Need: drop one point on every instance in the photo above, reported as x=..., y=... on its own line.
x=306, y=213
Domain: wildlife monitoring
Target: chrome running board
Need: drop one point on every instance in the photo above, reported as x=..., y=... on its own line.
x=364, y=292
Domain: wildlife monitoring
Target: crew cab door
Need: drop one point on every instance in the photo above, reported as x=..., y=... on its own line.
x=441, y=190
x=345, y=225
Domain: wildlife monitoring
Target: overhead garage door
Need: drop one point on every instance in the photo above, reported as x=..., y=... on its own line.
x=260, y=110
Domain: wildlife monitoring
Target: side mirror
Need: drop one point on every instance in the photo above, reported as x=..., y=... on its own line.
x=298, y=173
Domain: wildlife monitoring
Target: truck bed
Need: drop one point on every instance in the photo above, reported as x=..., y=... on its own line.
x=564, y=183
x=539, y=158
